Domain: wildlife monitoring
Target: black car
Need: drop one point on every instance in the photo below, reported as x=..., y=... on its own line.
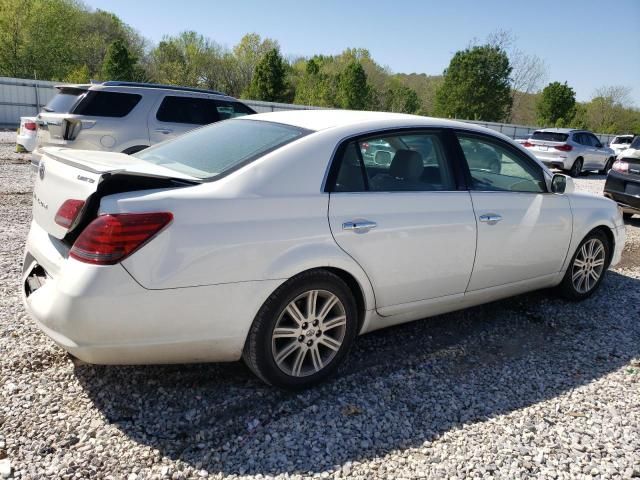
x=623, y=182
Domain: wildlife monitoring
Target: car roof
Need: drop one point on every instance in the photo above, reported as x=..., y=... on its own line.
x=560, y=130
x=317, y=120
x=140, y=85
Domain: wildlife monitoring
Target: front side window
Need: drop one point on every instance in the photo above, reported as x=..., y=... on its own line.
x=494, y=167
x=107, y=104
x=227, y=109
x=191, y=110
x=211, y=152
x=392, y=163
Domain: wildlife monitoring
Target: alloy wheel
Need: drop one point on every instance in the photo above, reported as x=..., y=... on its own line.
x=309, y=333
x=588, y=265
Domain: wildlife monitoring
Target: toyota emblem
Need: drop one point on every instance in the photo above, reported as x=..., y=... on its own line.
x=41, y=170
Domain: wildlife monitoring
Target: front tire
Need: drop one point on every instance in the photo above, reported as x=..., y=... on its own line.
x=607, y=167
x=587, y=268
x=576, y=168
x=303, y=331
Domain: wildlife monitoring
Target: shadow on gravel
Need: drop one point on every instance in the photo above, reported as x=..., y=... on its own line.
x=401, y=387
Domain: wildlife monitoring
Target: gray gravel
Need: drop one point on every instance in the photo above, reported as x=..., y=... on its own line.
x=530, y=387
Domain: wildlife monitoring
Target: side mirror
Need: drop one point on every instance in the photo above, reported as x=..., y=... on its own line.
x=562, y=184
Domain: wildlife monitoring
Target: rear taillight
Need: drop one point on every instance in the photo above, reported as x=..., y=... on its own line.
x=564, y=148
x=620, y=166
x=30, y=126
x=528, y=144
x=110, y=239
x=68, y=212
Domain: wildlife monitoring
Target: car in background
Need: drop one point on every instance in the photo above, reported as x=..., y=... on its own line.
x=623, y=185
x=633, y=149
x=620, y=143
x=27, y=133
x=574, y=151
x=269, y=238
x=127, y=117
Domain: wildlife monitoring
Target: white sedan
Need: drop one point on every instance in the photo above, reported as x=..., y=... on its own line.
x=272, y=238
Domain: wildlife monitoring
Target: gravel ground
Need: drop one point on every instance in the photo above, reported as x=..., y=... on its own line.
x=528, y=387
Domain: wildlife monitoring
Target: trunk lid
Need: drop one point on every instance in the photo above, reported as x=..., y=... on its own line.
x=65, y=174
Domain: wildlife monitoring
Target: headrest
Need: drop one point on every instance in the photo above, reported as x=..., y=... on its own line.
x=406, y=164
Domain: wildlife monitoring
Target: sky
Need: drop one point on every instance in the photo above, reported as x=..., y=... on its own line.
x=587, y=43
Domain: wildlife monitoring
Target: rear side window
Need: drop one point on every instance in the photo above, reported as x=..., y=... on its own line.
x=228, y=109
x=410, y=162
x=107, y=104
x=64, y=101
x=550, y=136
x=192, y=110
x=211, y=152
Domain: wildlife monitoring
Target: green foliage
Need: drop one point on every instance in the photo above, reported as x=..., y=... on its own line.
x=78, y=75
x=118, y=64
x=476, y=85
x=399, y=98
x=353, y=91
x=268, y=82
x=557, y=105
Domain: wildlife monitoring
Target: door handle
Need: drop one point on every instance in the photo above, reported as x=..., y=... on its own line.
x=490, y=218
x=359, y=226
x=164, y=130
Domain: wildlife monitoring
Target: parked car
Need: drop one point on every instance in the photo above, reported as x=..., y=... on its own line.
x=623, y=185
x=620, y=143
x=268, y=238
x=26, y=139
x=574, y=151
x=128, y=117
x=633, y=150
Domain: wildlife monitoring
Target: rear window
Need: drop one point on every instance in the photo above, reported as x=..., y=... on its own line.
x=192, y=110
x=107, y=104
x=622, y=140
x=550, y=136
x=64, y=101
x=211, y=152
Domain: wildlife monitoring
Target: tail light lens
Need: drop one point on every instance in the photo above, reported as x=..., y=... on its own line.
x=564, y=148
x=110, y=239
x=527, y=144
x=30, y=126
x=68, y=212
x=620, y=166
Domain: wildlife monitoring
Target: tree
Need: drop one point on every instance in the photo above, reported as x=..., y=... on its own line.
x=247, y=53
x=557, y=105
x=399, y=98
x=528, y=71
x=118, y=64
x=353, y=89
x=607, y=110
x=476, y=85
x=268, y=82
x=79, y=75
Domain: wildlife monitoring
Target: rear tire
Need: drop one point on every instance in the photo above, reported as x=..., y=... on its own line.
x=587, y=267
x=303, y=332
x=576, y=168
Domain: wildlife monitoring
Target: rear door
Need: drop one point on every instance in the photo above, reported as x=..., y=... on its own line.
x=523, y=231
x=403, y=221
x=177, y=114
x=599, y=153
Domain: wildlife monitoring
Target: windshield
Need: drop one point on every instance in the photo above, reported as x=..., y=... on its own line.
x=550, y=136
x=216, y=150
x=64, y=101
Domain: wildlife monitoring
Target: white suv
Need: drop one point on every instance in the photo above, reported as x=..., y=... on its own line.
x=575, y=151
x=127, y=116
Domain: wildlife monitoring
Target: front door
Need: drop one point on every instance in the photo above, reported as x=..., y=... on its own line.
x=401, y=218
x=523, y=231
